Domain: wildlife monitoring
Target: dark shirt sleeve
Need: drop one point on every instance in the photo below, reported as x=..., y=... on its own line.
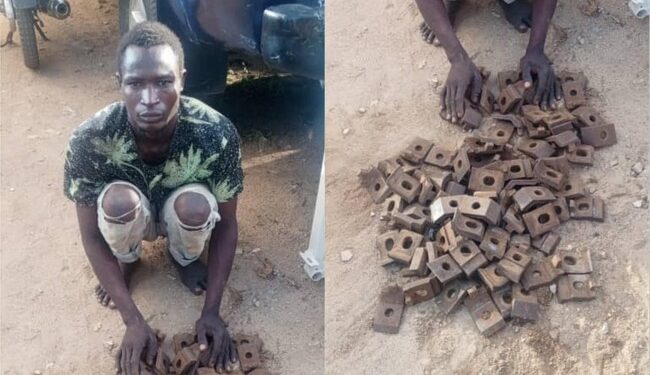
x=228, y=177
x=82, y=177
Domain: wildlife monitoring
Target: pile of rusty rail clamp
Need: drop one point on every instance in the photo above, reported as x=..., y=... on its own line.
x=474, y=226
x=187, y=357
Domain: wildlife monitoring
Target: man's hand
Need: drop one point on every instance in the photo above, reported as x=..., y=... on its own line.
x=463, y=76
x=138, y=339
x=220, y=353
x=547, y=89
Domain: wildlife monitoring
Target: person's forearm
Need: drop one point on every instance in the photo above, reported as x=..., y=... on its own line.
x=436, y=17
x=110, y=277
x=542, y=14
x=221, y=254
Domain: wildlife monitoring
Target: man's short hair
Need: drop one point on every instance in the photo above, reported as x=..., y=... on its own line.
x=149, y=34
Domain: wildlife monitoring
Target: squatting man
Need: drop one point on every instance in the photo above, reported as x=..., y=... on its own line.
x=157, y=164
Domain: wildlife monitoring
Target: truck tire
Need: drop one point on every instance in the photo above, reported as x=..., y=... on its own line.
x=135, y=11
x=25, y=20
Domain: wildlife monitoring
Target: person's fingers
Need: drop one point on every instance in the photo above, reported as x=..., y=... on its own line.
x=227, y=363
x=134, y=361
x=539, y=89
x=214, y=352
x=451, y=102
x=152, y=348
x=123, y=364
x=476, y=88
x=527, y=76
x=202, y=338
x=448, y=105
x=118, y=361
x=425, y=34
x=234, y=357
x=460, y=102
x=443, y=98
x=558, y=90
x=423, y=26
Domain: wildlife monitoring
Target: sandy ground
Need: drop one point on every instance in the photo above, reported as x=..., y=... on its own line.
x=50, y=320
x=377, y=61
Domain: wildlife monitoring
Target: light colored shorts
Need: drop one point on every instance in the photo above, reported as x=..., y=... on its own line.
x=185, y=242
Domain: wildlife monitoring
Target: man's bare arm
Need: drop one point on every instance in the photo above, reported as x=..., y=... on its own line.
x=463, y=75
x=547, y=90
x=221, y=253
x=138, y=338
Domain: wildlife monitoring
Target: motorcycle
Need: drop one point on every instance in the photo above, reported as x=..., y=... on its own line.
x=25, y=15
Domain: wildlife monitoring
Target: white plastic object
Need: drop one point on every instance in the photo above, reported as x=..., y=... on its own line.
x=314, y=256
x=639, y=7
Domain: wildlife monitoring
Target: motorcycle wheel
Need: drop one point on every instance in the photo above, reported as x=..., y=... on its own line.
x=136, y=11
x=25, y=20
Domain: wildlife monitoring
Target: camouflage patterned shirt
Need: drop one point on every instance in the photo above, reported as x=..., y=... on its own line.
x=204, y=149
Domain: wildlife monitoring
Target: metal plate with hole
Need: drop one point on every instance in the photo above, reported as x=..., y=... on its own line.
x=598, y=136
x=385, y=243
x=587, y=116
x=481, y=208
x=492, y=279
x=468, y=256
x=533, y=113
x=484, y=312
x=574, y=95
x=453, y=294
x=540, y=273
x=461, y=165
x=374, y=181
x=420, y=290
x=418, y=266
x=482, y=179
x=541, y=220
x=405, y=245
x=417, y=150
x=502, y=298
x=444, y=268
x=495, y=243
x=391, y=205
x=524, y=304
x=549, y=176
x=547, y=243
x=404, y=185
x=440, y=157
x=444, y=207
x=530, y=197
x=575, y=288
x=446, y=238
x=467, y=227
x=535, y=148
x=575, y=261
x=389, y=310
x=582, y=154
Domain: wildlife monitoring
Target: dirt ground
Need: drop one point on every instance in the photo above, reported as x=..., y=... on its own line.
x=380, y=92
x=50, y=319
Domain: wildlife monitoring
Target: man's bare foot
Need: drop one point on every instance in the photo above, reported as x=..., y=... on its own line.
x=194, y=276
x=102, y=294
x=519, y=14
x=452, y=10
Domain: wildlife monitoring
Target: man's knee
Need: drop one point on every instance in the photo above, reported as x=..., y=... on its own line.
x=192, y=209
x=120, y=202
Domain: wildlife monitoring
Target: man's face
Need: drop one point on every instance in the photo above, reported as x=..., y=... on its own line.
x=151, y=86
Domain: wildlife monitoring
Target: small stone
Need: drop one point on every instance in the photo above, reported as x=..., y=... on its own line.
x=346, y=255
x=346, y=131
x=255, y=250
x=109, y=345
x=362, y=110
x=256, y=303
x=97, y=327
x=605, y=329
x=12, y=189
x=372, y=214
x=591, y=189
x=638, y=204
x=581, y=40
x=637, y=168
x=553, y=288
x=38, y=372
